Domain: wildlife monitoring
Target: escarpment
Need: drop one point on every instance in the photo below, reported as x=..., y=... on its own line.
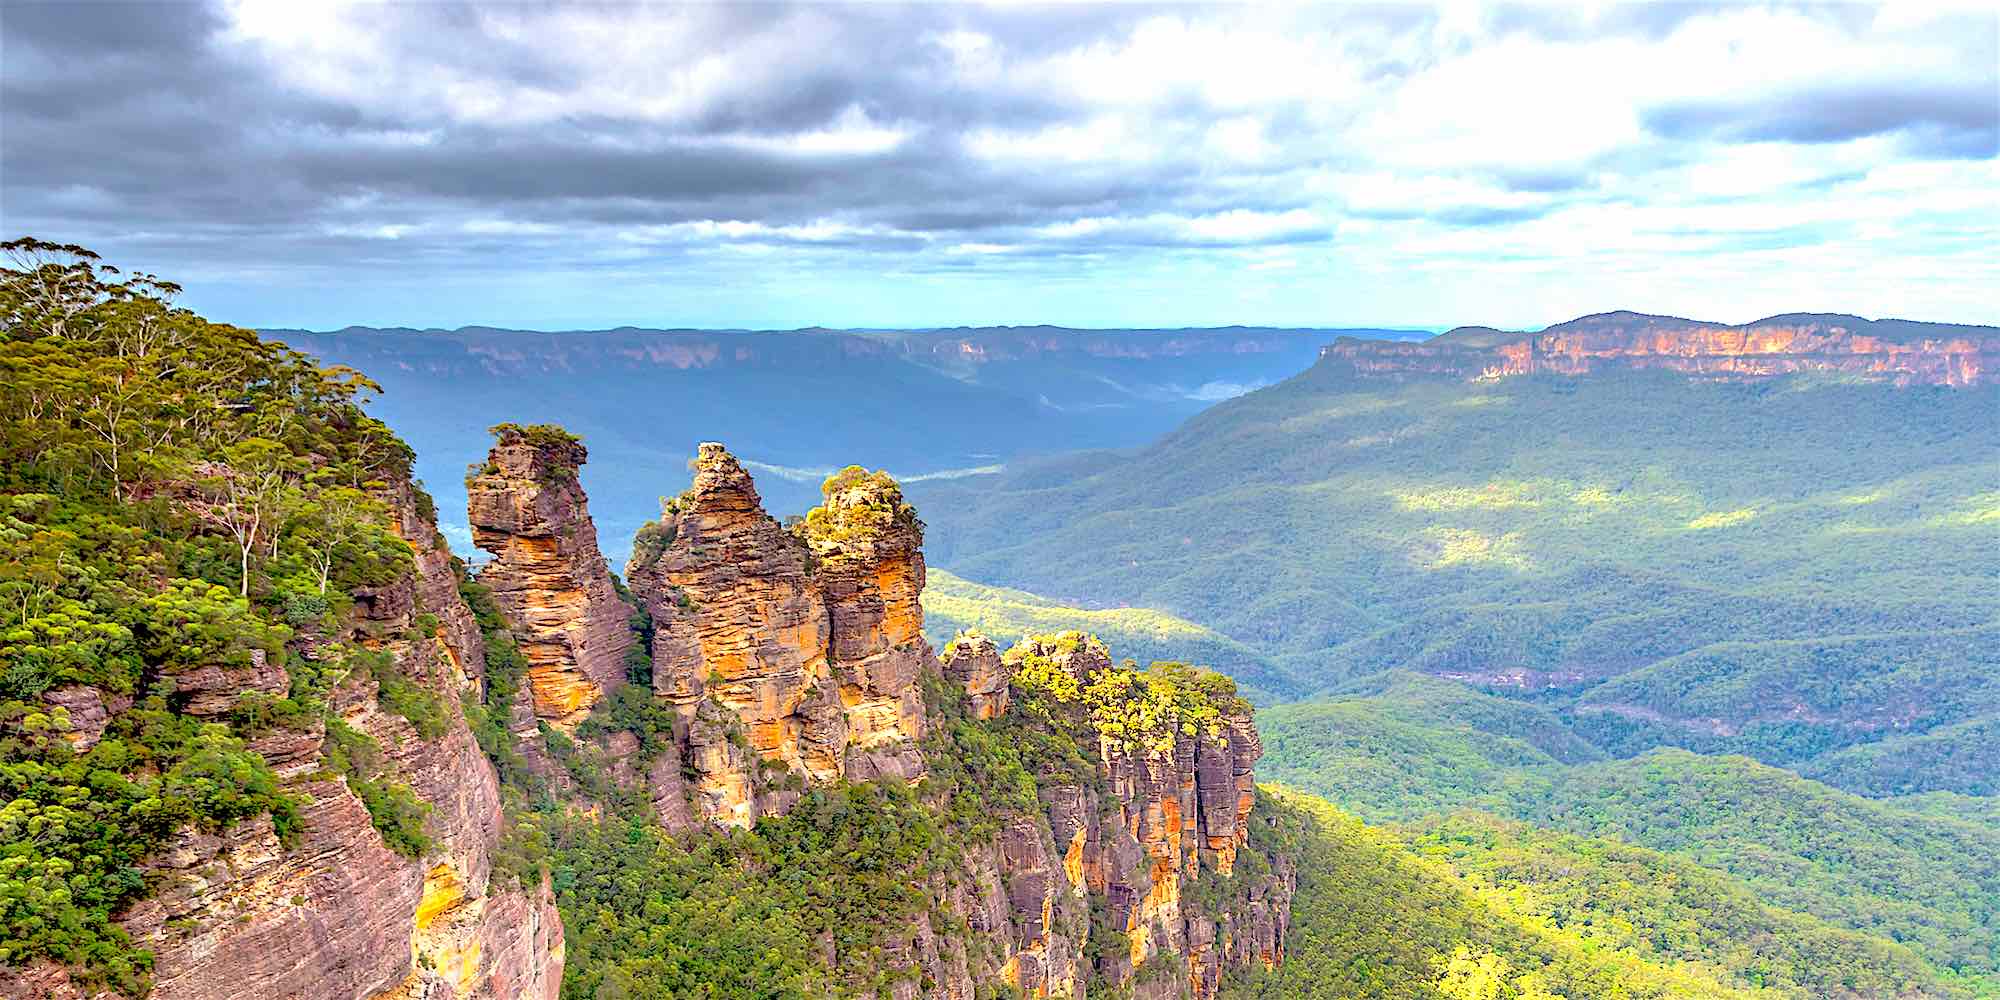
x=337, y=911
x=787, y=659
x=527, y=509
x=1907, y=353
x=1136, y=869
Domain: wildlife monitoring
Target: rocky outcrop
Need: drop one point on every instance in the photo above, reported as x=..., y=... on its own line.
x=972, y=662
x=1129, y=851
x=338, y=915
x=1908, y=353
x=527, y=509
x=867, y=549
x=790, y=658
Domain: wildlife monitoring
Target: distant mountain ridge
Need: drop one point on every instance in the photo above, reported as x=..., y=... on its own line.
x=501, y=350
x=799, y=404
x=1907, y=352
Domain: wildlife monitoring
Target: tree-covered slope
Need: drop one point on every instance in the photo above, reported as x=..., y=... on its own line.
x=1924, y=880
x=1917, y=875
x=1783, y=567
x=1474, y=907
x=210, y=648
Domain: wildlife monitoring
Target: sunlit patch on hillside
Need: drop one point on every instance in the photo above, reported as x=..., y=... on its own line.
x=1722, y=519
x=1597, y=497
x=1981, y=508
x=1862, y=499
x=1492, y=496
x=1352, y=406
x=1446, y=547
x=1480, y=401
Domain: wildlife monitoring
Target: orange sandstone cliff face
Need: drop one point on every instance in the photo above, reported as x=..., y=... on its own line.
x=1906, y=353
x=795, y=657
x=805, y=653
x=1166, y=817
x=527, y=509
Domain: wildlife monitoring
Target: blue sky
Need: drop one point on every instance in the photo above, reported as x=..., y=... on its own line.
x=319, y=165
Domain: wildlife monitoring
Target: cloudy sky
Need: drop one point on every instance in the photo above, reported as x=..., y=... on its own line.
x=306, y=164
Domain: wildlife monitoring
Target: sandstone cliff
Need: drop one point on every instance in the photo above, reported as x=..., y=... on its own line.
x=811, y=643
x=338, y=915
x=527, y=509
x=1137, y=854
x=1907, y=353
x=789, y=658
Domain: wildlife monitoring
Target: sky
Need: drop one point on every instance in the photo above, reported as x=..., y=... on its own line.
x=771, y=166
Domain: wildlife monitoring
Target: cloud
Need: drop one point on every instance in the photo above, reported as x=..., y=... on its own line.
x=867, y=157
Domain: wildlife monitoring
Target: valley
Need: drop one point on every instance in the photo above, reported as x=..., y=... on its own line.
x=1616, y=683
x=928, y=405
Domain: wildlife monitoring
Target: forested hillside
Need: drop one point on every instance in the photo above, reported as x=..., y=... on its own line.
x=228, y=725
x=1801, y=567
x=253, y=706
x=1469, y=906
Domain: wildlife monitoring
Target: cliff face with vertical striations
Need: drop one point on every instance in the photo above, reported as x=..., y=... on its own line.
x=794, y=657
x=528, y=510
x=1169, y=807
x=1906, y=352
x=812, y=645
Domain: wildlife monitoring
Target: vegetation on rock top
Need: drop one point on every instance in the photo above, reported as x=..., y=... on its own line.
x=176, y=496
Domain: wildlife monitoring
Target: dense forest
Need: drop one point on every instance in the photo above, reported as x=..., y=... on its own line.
x=1797, y=569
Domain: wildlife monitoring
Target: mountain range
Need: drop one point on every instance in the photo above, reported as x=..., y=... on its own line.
x=1633, y=658
x=799, y=404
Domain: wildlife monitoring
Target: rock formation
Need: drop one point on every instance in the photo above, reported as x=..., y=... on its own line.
x=973, y=662
x=1162, y=814
x=527, y=509
x=1905, y=352
x=338, y=915
x=796, y=657
x=811, y=643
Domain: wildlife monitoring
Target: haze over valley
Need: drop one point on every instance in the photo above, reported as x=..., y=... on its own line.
x=976, y=501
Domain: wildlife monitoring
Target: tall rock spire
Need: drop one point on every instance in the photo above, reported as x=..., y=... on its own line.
x=528, y=510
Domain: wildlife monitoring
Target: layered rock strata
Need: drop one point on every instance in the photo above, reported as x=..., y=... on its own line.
x=1126, y=850
x=973, y=663
x=1908, y=353
x=240, y=915
x=790, y=658
x=528, y=510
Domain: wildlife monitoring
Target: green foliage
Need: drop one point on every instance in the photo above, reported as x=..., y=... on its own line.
x=489, y=715
x=744, y=914
x=1676, y=538
x=176, y=495
x=650, y=543
x=859, y=505
x=1401, y=745
x=1412, y=749
x=1923, y=881
x=424, y=710
x=75, y=826
x=1613, y=894
x=953, y=605
x=1148, y=708
x=396, y=811
x=561, y=451
x=1531, y=915
x=549, y=437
